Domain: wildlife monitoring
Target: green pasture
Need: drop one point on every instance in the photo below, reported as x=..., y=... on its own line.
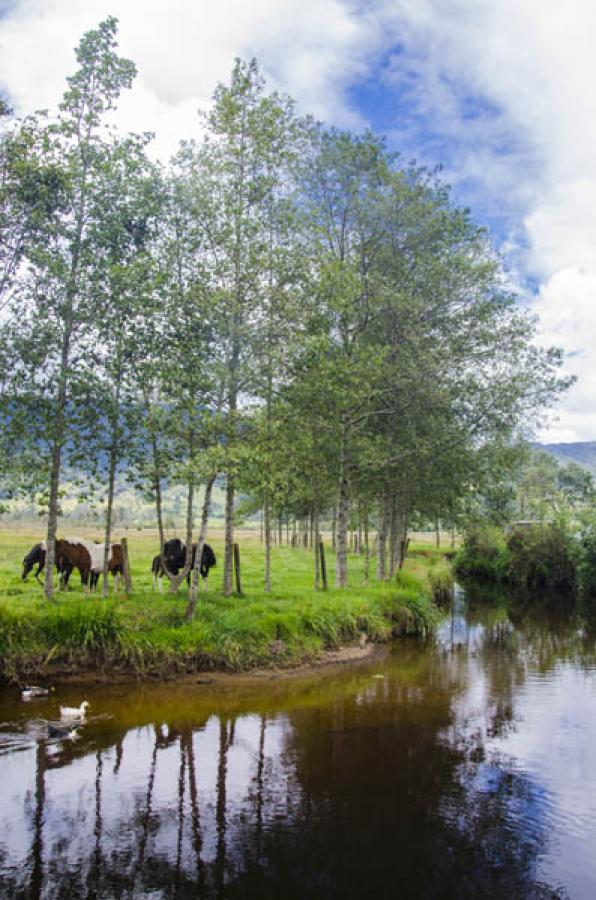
x=146, y=633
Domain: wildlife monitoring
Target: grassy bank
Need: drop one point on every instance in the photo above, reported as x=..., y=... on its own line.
x=145, y=634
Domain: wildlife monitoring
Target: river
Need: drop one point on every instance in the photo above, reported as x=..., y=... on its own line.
x=463, y=767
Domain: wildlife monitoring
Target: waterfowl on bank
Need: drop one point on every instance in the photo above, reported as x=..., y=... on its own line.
x=74, y=712
x=33, y=690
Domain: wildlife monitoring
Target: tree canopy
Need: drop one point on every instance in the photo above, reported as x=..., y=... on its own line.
x=286, y=307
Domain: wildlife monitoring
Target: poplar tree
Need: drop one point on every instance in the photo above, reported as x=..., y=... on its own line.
x=232, y=186
x=129, y=197
x=60, y=309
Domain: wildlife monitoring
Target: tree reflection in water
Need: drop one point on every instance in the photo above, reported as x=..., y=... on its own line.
x=363, y=787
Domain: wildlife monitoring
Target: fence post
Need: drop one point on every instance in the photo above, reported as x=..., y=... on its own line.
x=126, y=566
x=323, y=564
x=237, y=569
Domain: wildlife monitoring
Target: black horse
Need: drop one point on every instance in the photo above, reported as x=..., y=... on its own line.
x=174, y=552
x=37, y=557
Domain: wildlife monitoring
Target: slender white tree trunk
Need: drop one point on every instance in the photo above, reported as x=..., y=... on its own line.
x=341, y=558
x=194, y=586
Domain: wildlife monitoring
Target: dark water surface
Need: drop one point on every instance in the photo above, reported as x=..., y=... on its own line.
x=465, y=767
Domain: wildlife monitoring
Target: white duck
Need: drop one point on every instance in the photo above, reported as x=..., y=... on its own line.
x=74, y=712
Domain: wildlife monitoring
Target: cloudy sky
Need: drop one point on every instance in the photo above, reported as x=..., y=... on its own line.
x=501, y=93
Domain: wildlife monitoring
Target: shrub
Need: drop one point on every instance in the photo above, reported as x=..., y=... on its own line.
x=543, y=558
x=483, y=554
x=586, y=569
x=441, y=580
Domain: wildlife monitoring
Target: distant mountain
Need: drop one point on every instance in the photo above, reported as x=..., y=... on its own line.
x=583, y=453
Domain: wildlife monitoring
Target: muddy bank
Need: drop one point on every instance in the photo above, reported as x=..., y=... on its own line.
x=336, y=658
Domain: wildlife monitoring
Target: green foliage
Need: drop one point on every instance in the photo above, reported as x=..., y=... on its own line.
x=586, y=569
x=543, y=558
x=483, y=554
x=287, y=305
x=441, y=580
x=84, y=628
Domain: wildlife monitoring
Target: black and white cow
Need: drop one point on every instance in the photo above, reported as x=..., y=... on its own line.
x=174, y=552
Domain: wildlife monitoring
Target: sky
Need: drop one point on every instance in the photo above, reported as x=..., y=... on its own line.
x=500, y=93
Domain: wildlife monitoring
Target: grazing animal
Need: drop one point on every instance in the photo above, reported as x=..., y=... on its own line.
x=31, y=690
x=78, y=556
x=37, y=557
x=87, y=557
x=74, y=712
x=174, y=552
x=115, y=565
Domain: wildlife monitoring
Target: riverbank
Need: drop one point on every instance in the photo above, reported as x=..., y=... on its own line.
x=146, y=636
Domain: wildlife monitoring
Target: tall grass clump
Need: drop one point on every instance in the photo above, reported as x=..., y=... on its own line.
x=441, y=580
x=15, y=629
x=82, y=628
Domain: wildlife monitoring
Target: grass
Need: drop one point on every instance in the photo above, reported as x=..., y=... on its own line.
x=146, y=633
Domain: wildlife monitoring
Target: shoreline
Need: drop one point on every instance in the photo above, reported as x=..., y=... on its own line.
x=146, y=637
x=336, y=658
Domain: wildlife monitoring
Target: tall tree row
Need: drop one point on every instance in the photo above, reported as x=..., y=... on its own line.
x=284, y=307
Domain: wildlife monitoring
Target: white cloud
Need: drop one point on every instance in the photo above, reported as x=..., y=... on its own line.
x=309, y=48
x=532, y=154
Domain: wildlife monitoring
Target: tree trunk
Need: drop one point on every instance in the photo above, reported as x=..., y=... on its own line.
x=71, y=292
x=114, y=422
x=176, y=580
x=267, y=544
x=341, y=559
x=401, y=533
x=317, y=539
x=52, y=521
x=108, y=528
x=229, y=535
x=159, y=504
x=194, y=585
x=382, y=536
x=392, y=536
x=57, y=458
x=366, y=550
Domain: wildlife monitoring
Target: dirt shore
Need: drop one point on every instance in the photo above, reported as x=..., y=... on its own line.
x=351, y=654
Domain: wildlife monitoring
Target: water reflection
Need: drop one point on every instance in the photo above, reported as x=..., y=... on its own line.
x=461, y=768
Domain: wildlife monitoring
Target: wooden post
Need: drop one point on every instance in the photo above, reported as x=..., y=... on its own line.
x=126, y=566
x=323, y=565
x=237, y=569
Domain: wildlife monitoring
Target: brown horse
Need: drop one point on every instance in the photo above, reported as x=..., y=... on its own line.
x=87, y=557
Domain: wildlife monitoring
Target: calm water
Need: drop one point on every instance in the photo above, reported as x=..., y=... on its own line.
x=461, y=768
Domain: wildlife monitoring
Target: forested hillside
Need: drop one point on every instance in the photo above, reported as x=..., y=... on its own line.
x=581, y=452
